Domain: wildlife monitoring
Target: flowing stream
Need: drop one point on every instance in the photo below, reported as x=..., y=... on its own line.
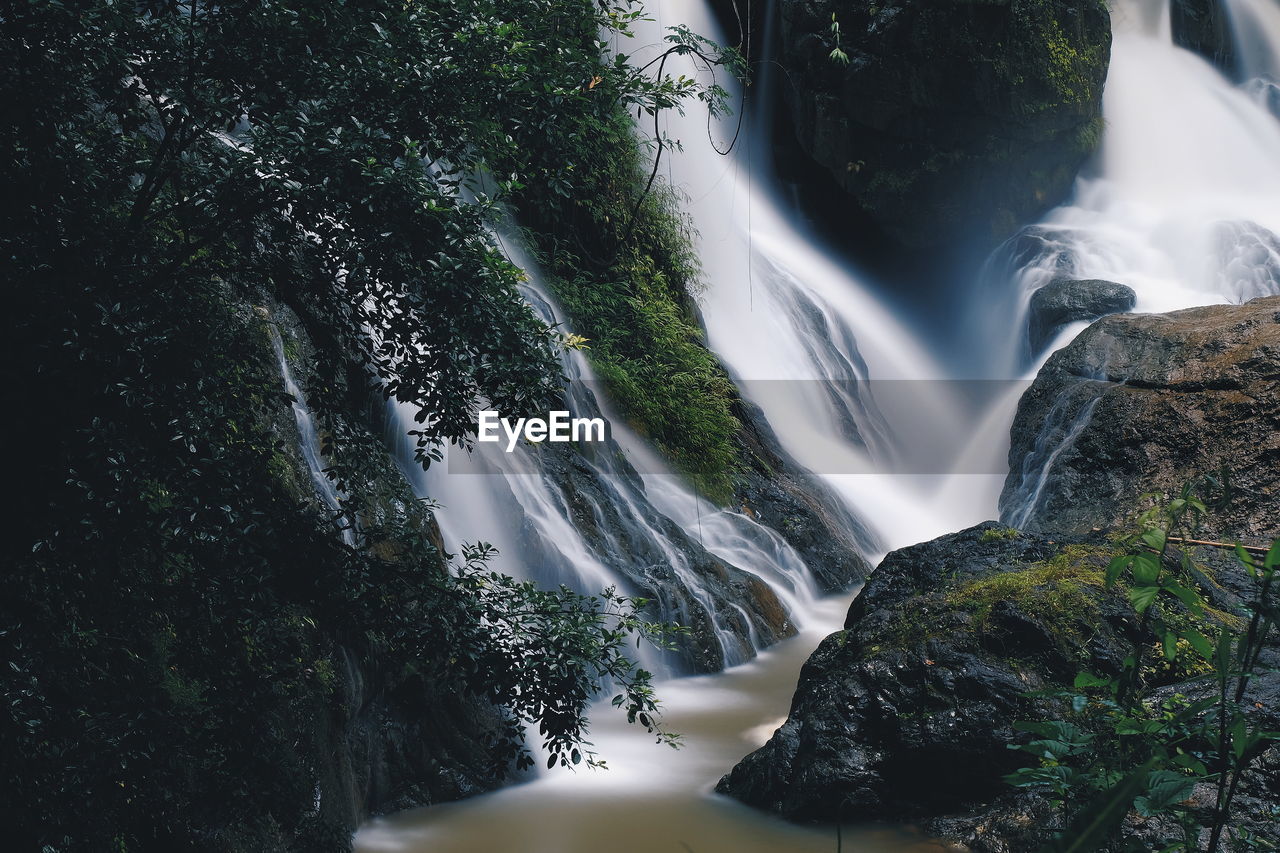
x=1181, y=203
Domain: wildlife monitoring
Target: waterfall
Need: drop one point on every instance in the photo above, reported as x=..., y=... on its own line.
x=804, y=336
x=309, y=439
x=1181, y=202
x=616, y=515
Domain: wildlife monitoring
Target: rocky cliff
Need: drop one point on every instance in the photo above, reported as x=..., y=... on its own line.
x=1141, y=403
x=950, y=119
x=908, y=713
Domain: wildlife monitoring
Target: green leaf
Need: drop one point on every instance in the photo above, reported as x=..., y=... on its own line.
x=1165, y=789
x=1245, y=557
x=1190, y=762
x=1170, y=645
x=1189, y=597
x=1146, y=568
x=1200, y=643
x=1222, y=655
x=1273, y=556
x=1116, y=567
x=1088, y=679
x=1155, y=539
x=1097, y=822
x=1143, y=597
x=1239, y=738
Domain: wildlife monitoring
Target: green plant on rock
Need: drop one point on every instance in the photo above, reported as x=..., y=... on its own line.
x=1129, y=741
x=618, y=253
x=837, y=53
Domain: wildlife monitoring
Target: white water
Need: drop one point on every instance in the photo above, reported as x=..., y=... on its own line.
x=1184, y=151
x=651, y=516
x=1182, y=202
x=309, y=440
x=803, y=333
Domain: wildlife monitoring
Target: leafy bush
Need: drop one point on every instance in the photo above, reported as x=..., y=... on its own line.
x=178, y=610
x=1125, y=745
x=620, y=257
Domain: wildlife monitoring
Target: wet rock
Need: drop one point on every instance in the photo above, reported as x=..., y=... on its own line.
x=905, y=716
x=1204, y=26
x=1065, y=300
x=1144, y=402
x=949, y=119
x=784, y=497
x=906, y=713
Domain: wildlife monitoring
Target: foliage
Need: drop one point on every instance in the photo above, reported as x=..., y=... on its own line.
x=837, y=54
x=179, y=618
x=995, y=534
x=1124, y=744
x=619, y=256
x=543, y=653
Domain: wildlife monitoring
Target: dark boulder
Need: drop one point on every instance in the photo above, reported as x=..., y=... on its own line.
x=1145, y=402
x=1065, y=300
x=1204, y=27
x=949, y=119
x=906, y=713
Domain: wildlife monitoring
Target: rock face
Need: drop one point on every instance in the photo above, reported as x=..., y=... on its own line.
x=906, y=712
x=1065, y=300
x=1203, y=26
x=800, y=507
x=905, y=716
x=951, y=118
x=1141, y=403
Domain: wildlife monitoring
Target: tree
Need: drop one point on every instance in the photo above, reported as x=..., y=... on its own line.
x=172, y=611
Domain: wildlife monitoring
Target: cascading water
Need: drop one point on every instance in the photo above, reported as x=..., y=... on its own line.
x=309, y=439
x=841, y=380
x=1182, y=204
x=587, y=519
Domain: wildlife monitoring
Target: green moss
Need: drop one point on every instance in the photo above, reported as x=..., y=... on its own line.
x=1061, y=592
x=1069, y=68
x=996, y=534
x=621, y=263
x=1089, y=136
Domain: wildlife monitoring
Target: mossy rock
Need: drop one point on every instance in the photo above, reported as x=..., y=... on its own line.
x=906, y=713
x=949, y=120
